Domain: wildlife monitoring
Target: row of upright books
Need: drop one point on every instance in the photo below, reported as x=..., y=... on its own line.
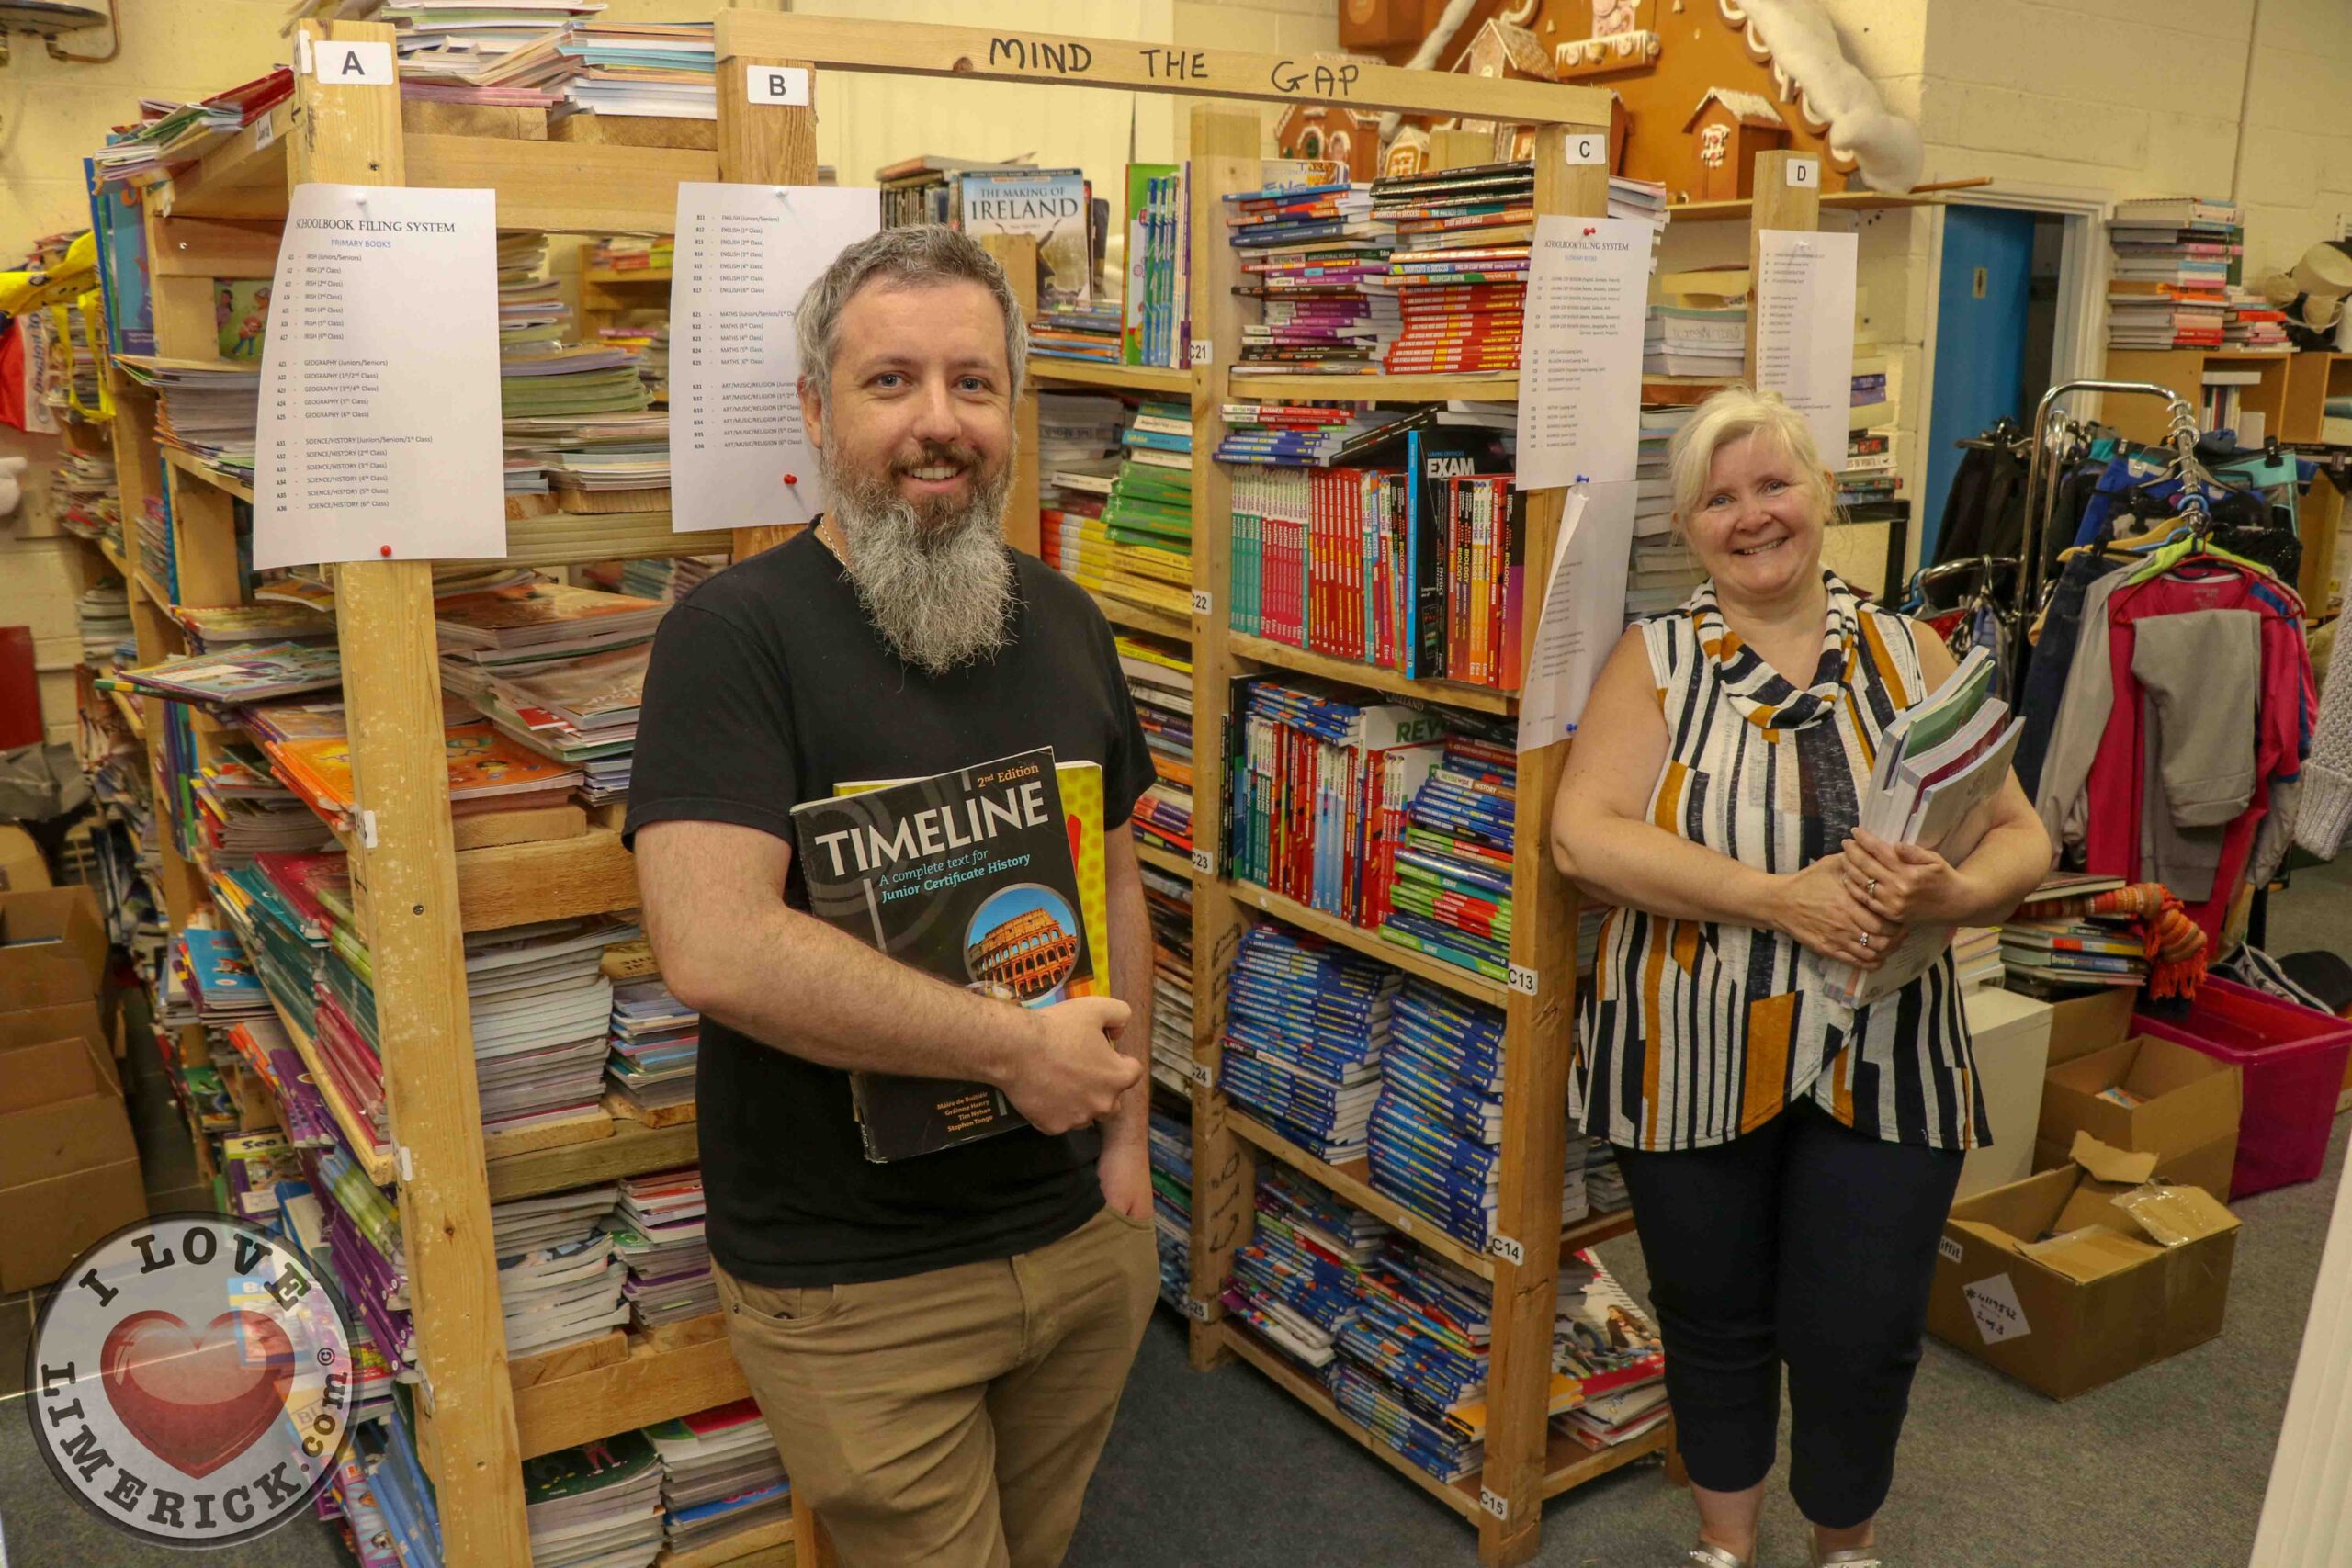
x=1116, y=500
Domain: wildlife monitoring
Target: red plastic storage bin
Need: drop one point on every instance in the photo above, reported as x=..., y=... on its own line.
x=2292, y=1059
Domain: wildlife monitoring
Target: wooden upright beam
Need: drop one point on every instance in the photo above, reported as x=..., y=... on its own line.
x=1778, y=204
x=351, y=135
x=1535, y=1050
x=1007, y=54
x=1017, y=254
x=1225, y=158
x=761, y=144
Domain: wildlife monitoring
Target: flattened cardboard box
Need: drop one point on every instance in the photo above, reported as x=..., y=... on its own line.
x=2054, y=1283
x=2187, y=1116
x=52, y=948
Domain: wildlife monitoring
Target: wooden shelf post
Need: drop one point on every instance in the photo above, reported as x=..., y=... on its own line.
x=1223, y=159
x=351, y=135
x=1017, y=254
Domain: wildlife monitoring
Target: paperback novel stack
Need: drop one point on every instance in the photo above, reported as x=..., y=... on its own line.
x=658, y=1235
x=541, y=1009
x=597, y=1505
x=1160, y=681
x=1155, y=315
x=1148, y=515
x=1306, y=1024
x=2052, y=954
x=1448, y=892
x=1297, y=1283
x=1172, y=1205
x=720, y=1476
x=1318, y=259
x=1319, y=788
x=557, y=1281
x=2174, y=259
x=656, y=1040
x=1167, y=901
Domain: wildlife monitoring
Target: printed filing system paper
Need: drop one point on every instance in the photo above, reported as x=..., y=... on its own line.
x=377, y=435
x=1805, y=328
x=1581, y=376
x=745, y=254
x=1584, y=612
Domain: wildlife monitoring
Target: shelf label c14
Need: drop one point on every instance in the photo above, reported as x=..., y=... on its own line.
x=1506, y=1248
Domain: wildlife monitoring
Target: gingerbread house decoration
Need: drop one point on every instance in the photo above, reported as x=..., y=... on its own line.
x=1348, y=137
x=1407, y=153
x=1726, y=129
x=1503, y=51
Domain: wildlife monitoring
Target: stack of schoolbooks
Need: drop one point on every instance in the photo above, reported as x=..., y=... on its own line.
x=562, y=1293
x=1660, y=575
x=1604, y=1182
x=2045, y=958
x=1460, y=266
x=1296, y=1285
x=558, y=669
x=169, y=135
x=1697, y=324
x=456, y=51
x=1172, y=1205
x=597, y=1505
x=241, y=810
x=1287, y=435
x=218, y=976
x=154, y=555
x=720, y=1476
x=2255, y=325
x=1940, y=764
x=242, y=673
x=657, y=1233
x=212, y=629
x=1610, y=1351
x=633, y=252
x=1319, y=785
x=541, y=1009
x=1870, y=476
x=663, y=68
x=1976, y=957
x=1306, y=1024
x=1167, y=901
x=2169, y=287
x=487, y=771
x=1449, y=894
x=1155, y=320
x=1148, y=515
x=667, y=580
x=205, y=408
x=87, y=497
x=1653, y=480
x=1078, y=456
x=1087, y=332
x=1159, y=682
x=102, y=615
x=656, y=1040
x=1318, y=257
x=1415, y=1354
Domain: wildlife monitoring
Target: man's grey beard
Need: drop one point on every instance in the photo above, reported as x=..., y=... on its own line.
x=937, y=583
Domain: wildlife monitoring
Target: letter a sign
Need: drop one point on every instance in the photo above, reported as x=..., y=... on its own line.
x=353, y=64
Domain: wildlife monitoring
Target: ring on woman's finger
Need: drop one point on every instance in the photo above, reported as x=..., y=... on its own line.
x=1871, y=891
x=1866, y=939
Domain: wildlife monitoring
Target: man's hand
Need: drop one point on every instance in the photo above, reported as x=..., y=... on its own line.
x=1125, y=1170
x=1073, y=1075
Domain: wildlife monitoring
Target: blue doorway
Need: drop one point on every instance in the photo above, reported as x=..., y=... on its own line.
x=1984, y=318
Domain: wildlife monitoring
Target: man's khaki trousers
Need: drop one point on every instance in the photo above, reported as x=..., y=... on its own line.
x=952, y=1419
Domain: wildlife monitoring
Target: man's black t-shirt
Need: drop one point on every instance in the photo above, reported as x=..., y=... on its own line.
x=769, y=686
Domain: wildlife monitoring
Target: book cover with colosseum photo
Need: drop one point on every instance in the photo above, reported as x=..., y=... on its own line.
x=975, y=876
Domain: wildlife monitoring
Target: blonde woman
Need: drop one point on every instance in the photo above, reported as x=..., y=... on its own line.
x=1790, y=1161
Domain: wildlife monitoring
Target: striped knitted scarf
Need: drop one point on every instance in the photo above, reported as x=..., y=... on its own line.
x=2175, y=943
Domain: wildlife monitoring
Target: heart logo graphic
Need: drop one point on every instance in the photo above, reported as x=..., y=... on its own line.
x=197, y=1400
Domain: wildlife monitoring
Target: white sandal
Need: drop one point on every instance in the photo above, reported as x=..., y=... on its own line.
x=1706, y=1556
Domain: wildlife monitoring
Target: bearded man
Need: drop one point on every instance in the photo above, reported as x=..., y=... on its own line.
x=937, y=1343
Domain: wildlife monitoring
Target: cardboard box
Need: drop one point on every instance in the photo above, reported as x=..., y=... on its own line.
x=69, y=1167
x=2080, y=1025
x=2188, y=1117
x=2011, y=1035
x=21, y=868
x=52, y=948
x=2118, y=1285
x=37, y=1026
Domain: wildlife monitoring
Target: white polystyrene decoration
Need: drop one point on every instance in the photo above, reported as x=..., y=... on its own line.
x=10, y=491
x=1885, y=148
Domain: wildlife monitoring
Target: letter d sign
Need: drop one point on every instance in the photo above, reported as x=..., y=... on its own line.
x=786, y=84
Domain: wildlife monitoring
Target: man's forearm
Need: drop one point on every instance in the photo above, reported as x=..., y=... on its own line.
x=789, y=980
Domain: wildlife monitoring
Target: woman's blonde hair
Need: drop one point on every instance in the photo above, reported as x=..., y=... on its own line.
x=1734, y=414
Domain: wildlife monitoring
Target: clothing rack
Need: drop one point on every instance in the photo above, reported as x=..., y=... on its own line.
x=2041, y=480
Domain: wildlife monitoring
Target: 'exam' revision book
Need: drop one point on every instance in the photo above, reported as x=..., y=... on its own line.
x=969, y=875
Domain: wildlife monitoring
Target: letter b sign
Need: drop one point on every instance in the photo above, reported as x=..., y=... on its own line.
x=786, y=84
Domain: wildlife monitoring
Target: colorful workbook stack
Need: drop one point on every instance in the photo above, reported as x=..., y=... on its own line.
x=1172, y=1205
x=2048, y=955
x=2174, y=259
x=1167, y=901
x=87, y=497
x=558, y=1281
x=1155, y=322
x=1436, y=1133
x=658, y=1235
x=1148, y=515
x=242, y=673
x=1319, y=788
x=1078, y=457
x=668, y=581
x=1459, y=270
x=1160, y=681
x=1610, y=1349
x=1416, y=1351
x=663, y=68
x=597, y=1505
x=242, y=810
x=720, y=1476
x=220, y=978
x=206, y=408
x=1450, y=891
x=1296, y=1284
x=558, y=669
x=656, y=1040
x=459, y=51
x=1306, y=1024
x=542, y=1011
x=1318, y=259
x=169, y=136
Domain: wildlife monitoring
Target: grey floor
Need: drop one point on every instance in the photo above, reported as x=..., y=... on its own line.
x=1221, y=1468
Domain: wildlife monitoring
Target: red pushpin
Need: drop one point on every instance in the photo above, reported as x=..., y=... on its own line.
x=792, y=478
x=386, y=550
